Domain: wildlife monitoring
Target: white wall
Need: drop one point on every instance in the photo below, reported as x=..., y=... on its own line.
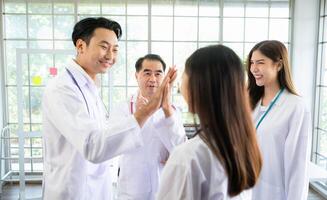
x=304, y=40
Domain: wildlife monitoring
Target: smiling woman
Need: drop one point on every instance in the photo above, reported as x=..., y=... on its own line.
x=282, y=122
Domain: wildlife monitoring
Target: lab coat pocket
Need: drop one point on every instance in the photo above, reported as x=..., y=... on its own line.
x=96, y=170
x=135, y=179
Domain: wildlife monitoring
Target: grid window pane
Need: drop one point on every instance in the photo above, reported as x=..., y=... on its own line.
x=119, y=95
x=105, y=94
x=256, y=10
x=40, y=44
x=37, y=127
x=206, y=33
x=163, y=49
x=186, y=8
x=162, y=7
x=119, y=69
x=38, y=166
x=233, y=29
x=322, y=146
x=36, y=97
x=64, y=45
x=137, y=28
x=279, y=10
x=63, y=26
x=210, y=8
x=122, y=21
x=182, y=51
x=135, y=50
x=233, y=10
x=138, y=7
x=238, y=48
x=36, y=153
x=321, y=31
x=323, y=109
x=63, y=8
x=40, y=27
x=185, y=28
x=162, y=28
x=80, y=17
x=37, y=142
x=256, y=29
x=104, y=80
x=114, y=8
x=278, y=29
x=204, y=44
x=25, y=72
x=10, y=59
x=39, y=68
x=15, y=7
x=88, y=8
x=247, y=49
x=15, y=26
x=39, y=7
x=12, y=105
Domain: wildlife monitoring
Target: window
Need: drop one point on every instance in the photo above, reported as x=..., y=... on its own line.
x=172, y=29
x=319, y=150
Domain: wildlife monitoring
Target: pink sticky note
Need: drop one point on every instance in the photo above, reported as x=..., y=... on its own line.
x=53, y=71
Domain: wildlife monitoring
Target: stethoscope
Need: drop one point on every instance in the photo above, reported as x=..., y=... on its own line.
x=132, y=105
x=269, y=108
x=87, y=105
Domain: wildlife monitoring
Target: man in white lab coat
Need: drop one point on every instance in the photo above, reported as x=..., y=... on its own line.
x=140, y=168
x=78, y=140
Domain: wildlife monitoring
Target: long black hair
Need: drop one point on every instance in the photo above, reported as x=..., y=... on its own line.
x=217, y=94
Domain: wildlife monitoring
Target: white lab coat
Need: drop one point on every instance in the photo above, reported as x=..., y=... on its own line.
x=284, y=139
x=140, y=169
x=77, y=143
x=194, y=173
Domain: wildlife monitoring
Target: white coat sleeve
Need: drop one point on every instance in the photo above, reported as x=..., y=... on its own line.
x=171, y=130
x=66, y=110
x=175, y=183
x=184, y=179
x=296, y=155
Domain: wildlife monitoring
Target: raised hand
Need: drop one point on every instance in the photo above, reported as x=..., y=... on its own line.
x=140, y=101
x=155, y=102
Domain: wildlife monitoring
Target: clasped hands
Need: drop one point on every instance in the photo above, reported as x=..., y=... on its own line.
x=161, y=98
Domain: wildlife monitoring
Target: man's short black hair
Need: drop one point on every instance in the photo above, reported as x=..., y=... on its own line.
x=138, y=64
x=84, y=29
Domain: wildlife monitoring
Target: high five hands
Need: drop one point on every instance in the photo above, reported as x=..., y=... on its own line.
x=160, y=99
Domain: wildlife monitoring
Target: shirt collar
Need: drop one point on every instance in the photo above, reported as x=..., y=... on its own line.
x=81, y=76
x=279, y=101
x=281, y=98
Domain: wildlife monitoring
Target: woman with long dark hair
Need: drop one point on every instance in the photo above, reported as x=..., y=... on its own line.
x=223, y=159
x=282, y=123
